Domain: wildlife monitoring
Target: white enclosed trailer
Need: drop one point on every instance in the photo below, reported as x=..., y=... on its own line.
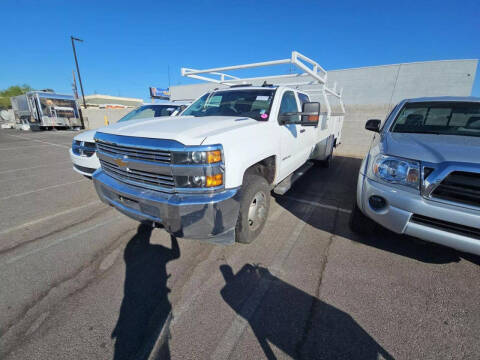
x=44, y=110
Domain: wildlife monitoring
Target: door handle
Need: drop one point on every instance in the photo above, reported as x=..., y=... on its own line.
x=302, y=130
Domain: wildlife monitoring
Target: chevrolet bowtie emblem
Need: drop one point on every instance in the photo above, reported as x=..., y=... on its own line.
x=121, y=163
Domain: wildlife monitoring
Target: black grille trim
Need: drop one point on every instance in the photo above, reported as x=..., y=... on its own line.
x=460, y=187
x=446, y=226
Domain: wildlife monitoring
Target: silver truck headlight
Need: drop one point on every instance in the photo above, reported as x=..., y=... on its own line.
x=397, y=170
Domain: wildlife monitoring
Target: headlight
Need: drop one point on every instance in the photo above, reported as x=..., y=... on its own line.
x=397, y=170
x=197, y=157
x=199, y=181
x=83, y=148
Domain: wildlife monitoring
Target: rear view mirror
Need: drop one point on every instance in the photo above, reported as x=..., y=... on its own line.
x=373, y=125
x=310, y=113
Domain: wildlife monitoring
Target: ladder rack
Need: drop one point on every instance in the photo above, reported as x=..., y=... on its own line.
x=312, y=74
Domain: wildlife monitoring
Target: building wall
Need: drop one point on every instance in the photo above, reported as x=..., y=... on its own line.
x=94, y=118
x=370, y=92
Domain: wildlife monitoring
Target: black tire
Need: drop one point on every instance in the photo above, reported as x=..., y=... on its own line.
x=359, y=223
x=327, y=163
x=246, y=231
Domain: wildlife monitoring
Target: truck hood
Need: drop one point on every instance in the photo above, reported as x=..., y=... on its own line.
x=433, y=148
x=187, y=130
x=86, y=136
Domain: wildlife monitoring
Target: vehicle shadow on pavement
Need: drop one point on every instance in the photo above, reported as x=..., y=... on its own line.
x=145, y=305
x=293, y=321
x=336, y=187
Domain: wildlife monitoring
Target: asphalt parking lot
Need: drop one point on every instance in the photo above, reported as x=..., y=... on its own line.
x=79, y=280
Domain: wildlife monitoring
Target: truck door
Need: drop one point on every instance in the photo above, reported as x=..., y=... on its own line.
x=307, y=133
x=290, y=137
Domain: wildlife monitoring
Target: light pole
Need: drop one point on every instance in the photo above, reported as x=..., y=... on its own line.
x=79, y=77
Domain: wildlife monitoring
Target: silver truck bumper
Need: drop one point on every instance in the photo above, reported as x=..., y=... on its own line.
x=402, y=205
x=210, y=217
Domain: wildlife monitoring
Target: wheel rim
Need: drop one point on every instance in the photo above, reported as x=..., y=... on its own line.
x=257, y=211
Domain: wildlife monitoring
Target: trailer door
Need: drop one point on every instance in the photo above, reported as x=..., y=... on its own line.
x=37, y=114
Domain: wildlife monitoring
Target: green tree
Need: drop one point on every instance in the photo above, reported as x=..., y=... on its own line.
x=14, y=90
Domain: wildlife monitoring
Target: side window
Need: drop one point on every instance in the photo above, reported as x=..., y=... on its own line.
x=289, y=103
x=303, y=99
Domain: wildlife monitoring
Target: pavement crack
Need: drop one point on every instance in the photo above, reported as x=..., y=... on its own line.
x=60, y=290
x=314, y=307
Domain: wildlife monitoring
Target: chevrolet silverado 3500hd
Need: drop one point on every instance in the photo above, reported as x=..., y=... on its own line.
x=208, y=173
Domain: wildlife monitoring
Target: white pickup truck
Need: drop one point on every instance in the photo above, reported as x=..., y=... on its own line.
x=208, y=173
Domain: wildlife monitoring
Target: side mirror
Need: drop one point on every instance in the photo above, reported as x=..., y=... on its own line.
x=373, y=125
x=310, y=113
x=309, y=116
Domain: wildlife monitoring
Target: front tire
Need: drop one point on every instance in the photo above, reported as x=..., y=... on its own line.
x=327, y=163
x=254, y=208
x=359, y=222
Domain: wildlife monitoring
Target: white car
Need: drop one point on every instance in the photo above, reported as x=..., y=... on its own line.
x=83, y=152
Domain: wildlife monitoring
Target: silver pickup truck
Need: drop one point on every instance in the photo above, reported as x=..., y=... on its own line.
x=421, y=176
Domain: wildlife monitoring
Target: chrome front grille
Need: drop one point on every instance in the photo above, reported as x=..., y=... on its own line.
x=137, y=177
x=460, y=187
x=161, y=156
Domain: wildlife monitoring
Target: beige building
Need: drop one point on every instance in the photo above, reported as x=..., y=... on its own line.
x=107, y=101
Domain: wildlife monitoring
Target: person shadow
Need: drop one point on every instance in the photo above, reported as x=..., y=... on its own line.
x=293, y=321
x=145, y=305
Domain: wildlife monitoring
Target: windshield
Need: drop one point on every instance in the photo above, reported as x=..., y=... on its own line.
x=245, y=103
x=149, y=111
x=444, y=118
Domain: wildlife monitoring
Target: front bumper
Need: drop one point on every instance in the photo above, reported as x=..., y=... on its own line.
x=85, y=165
x=210, y=217
x=402, y=204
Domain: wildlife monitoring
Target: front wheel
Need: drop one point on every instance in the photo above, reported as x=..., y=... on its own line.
x=254, y=208
x=359, y=223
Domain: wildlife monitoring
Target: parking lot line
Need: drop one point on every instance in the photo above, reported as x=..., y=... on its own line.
x=22, y=147
x=234, y=333
x=45, y=188
x=49, y=217
x=317, y=204
x=40, y=141
x=33, y=167
x=58, y=241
